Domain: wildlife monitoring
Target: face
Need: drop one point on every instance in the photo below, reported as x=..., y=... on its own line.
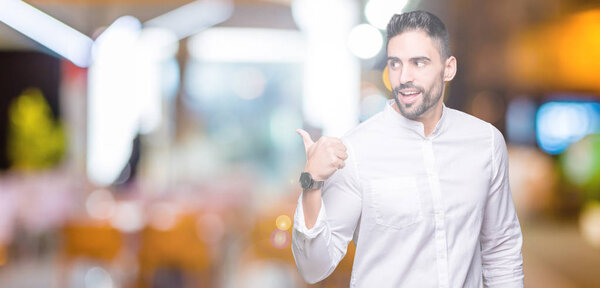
x=417, y=73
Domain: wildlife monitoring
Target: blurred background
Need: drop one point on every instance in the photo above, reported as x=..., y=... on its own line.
x=149, y=143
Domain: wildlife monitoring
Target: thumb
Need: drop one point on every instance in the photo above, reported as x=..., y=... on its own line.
x=305, y=138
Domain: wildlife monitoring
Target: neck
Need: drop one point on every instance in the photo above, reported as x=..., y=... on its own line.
x=430, y=118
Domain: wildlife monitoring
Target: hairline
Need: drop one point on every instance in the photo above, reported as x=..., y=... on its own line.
x=438, y=41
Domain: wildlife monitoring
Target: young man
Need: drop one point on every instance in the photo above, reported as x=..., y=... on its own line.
x=422, y=189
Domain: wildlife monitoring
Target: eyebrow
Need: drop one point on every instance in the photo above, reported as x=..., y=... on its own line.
x=414, y=59
x=421, y=58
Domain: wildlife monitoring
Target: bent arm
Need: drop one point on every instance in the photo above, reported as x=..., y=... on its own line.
x=318, y=250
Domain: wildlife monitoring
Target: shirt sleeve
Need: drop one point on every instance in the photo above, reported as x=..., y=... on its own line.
x=501, y=237
x=317, y=251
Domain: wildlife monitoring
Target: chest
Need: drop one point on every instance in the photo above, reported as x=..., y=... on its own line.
x=403, y=186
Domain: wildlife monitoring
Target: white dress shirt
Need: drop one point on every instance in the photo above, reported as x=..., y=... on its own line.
x=432, y=211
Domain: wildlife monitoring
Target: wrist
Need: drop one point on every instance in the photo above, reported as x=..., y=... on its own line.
x=312, y=173
x=308, y=181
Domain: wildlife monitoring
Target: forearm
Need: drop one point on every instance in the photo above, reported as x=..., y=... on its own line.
x=311, y=203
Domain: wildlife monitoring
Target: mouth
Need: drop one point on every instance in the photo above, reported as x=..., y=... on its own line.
x=409, y=95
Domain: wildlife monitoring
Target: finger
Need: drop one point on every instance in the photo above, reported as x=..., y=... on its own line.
x=336, y=162
x=341, y=154
x=336, y=141
x=305, y=138
x=339, y=144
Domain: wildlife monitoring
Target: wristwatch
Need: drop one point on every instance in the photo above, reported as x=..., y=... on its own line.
x=307, y=182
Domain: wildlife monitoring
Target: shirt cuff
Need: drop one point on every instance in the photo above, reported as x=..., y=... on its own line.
x=516, y=282
x=300, y=225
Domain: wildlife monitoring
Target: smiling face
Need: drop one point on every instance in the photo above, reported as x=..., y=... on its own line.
x=417, y=73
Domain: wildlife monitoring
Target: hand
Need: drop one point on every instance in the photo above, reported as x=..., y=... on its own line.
x=323, y=157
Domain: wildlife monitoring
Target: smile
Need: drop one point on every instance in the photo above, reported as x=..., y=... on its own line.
x=409, y=96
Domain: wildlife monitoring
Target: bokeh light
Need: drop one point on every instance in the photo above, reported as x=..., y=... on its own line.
x=98, y=277
x=280, y=239
x=379, y=12
x=283, y=222
x=128, y=217
x=561, y=123
x=589, y=222
x=365, y=41
x=385, y=77
x=100, y=204
x=581, y=165
x=163, y=216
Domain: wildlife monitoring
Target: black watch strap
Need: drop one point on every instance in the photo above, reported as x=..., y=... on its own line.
x=307, y=182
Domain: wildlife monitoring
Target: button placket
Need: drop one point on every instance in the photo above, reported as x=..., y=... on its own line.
x=439, y=215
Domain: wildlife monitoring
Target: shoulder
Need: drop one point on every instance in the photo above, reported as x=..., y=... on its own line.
x=466, y=120
x=473, y=127
x=477, y=128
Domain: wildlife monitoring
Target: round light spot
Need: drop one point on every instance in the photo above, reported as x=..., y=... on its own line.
x=163, y=216
x=280, y=239
x=100, y=204
x=379, y=12
x=283, y=222
x=97, y=277
x=128, y=217
x=365, y=41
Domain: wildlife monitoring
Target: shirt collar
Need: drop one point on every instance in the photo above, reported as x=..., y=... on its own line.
x=394, y=117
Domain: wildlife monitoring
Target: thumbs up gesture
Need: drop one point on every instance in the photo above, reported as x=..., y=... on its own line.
x=323, y=157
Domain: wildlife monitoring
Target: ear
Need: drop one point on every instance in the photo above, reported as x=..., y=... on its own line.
x=450, y=69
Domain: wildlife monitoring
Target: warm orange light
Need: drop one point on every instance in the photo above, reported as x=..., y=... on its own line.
x=385, y=76
x=283, y=222
x=560, y=56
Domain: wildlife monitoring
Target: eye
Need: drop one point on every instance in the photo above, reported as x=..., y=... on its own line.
x=394, y=65
x=420, y=64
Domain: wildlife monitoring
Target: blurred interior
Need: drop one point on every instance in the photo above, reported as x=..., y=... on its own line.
x=148, y=143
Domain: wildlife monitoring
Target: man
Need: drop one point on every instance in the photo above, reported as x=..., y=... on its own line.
x=420, y=188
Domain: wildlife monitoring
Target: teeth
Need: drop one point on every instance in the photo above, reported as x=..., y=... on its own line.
x=410, y=93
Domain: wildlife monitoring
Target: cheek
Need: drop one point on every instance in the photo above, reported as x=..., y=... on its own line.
x=394, y=78
x=430, y=79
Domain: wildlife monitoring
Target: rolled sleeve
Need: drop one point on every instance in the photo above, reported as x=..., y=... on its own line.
x=300, y=225
x=500, y=237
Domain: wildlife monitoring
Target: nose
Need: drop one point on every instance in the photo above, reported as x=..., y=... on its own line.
x=406, y=75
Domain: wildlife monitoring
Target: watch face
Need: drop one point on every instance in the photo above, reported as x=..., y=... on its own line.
x=305, y=180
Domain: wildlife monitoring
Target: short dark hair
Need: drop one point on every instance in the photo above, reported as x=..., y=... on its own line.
x=424, y=21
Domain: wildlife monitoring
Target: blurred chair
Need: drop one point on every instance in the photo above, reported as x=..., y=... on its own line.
x=88, y=240
x=175, y=257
